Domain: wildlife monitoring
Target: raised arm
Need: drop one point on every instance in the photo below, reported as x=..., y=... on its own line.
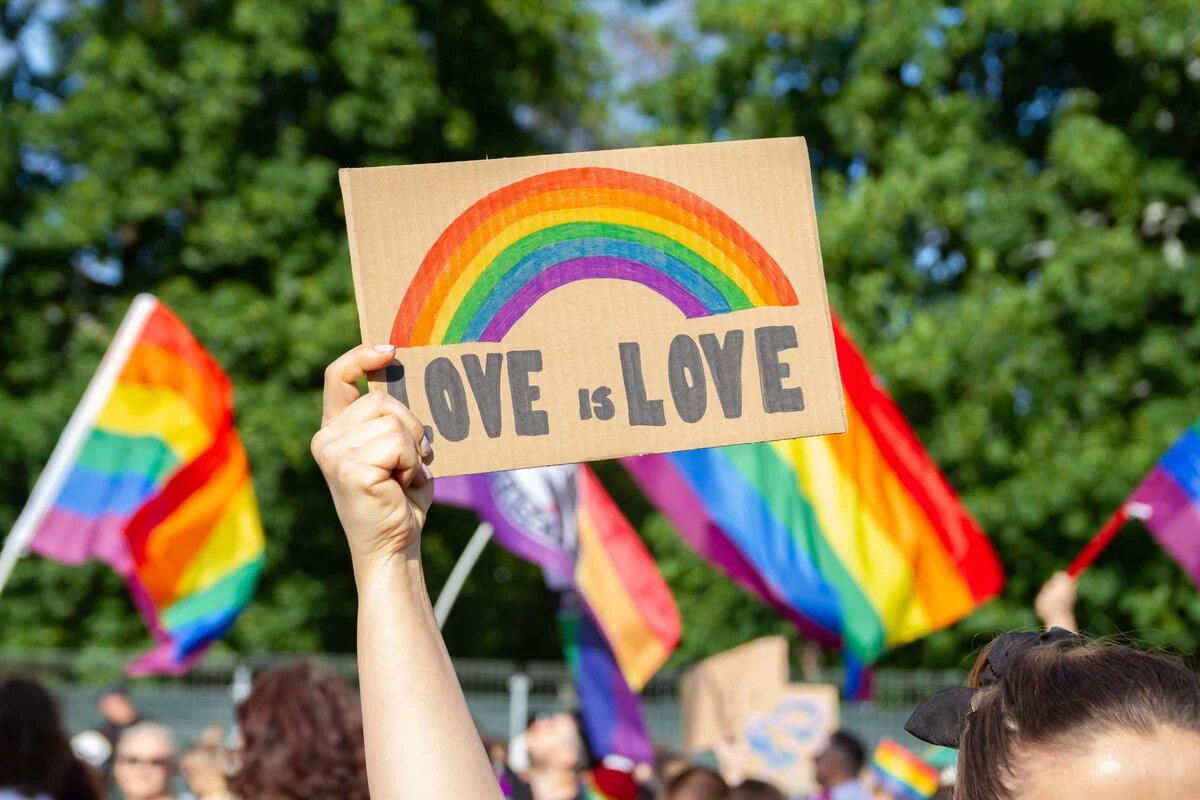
x=420, y=739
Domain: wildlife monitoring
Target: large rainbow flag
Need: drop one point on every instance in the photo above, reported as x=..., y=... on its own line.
x=151, y=478
x=857, y=538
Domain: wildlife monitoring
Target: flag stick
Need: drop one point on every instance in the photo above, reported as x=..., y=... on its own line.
x=71, y=441
x=1100, y=541
x=458, y=575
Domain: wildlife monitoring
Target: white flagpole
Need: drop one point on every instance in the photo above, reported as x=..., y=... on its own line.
x=458, y=575
x=71, y=441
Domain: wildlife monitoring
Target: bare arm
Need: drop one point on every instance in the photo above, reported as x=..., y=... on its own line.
x=420, y=739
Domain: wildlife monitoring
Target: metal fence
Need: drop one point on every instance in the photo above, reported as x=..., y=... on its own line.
x=500, y=693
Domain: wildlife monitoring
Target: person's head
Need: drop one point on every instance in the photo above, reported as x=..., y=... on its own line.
x=755, y=790
x=145, y=761
x=841, y=760
x=116, y=707
x=1054, y=715
x=36, y=756
x=696, y=783
x=555, y=742
x=302, y=737
x=204, y=769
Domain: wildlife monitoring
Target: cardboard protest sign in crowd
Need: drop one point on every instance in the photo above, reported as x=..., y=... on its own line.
x=567, y=308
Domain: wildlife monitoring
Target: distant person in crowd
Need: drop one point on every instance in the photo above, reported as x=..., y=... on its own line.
x=205, y=767
x=752, y=789
x=557, y=755
x=696, y=783
x=36, y=760
x=117, y=712
x=668, y=764
x=1053, y=715
x=302, y=737
x=839, y=767
x=145, y=761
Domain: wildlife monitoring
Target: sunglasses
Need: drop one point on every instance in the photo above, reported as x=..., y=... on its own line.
x=135, y=761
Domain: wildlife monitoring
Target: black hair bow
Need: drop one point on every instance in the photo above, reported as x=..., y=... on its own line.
x=941, y=718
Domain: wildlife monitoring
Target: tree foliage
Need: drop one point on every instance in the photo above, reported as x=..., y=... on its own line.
x=191, y=149
x=1008, y=206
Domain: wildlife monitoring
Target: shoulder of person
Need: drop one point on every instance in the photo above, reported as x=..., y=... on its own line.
x=13, y=794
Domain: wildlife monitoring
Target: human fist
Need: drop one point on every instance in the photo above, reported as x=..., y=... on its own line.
x=372, y=450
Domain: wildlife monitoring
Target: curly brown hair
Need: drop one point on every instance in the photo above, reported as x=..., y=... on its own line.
x=302, y=738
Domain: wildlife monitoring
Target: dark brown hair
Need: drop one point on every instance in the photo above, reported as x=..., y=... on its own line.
x=755, y=790
x=697, y=783
x=302, y=738
x=36, y=757
x=1067, y=692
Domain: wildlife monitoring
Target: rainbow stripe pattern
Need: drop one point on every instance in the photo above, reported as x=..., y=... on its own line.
x=901, y=774
x=1168, y=501
x=154, y=481
x=857, y=538
x=521, y=242
x=617, y=576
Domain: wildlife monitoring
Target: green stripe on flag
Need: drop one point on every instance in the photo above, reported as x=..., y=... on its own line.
x=776, y=481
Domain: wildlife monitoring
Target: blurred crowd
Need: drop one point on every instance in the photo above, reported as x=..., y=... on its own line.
x=298, y=736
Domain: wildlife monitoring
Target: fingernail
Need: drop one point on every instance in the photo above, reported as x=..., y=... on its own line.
x=385, y=348
x=424, y=446
x=425, y=473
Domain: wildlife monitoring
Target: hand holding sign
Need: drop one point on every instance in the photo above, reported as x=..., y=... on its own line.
x=569, y=308
x=370, y=449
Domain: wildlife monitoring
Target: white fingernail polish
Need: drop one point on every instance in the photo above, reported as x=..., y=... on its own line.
x=385, y=348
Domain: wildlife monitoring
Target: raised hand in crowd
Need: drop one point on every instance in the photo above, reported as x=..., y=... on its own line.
x=1055, y=602
x=420, y=738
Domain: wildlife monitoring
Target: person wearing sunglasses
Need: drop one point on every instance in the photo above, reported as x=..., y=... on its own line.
x=145, y=762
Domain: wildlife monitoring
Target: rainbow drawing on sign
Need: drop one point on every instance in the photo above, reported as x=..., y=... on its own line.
x=523, y=241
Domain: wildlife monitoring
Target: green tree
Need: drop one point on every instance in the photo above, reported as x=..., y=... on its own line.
x=1008, y=210
x=191, y=149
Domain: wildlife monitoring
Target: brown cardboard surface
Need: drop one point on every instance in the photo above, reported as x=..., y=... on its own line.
x=722, y=692
x=553, y=387
x=779, y=745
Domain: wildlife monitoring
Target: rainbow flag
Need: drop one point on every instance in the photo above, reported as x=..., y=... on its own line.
x=899, y=772
x=1168, y=501
x=612, y=715
x=857, y=538
x=151, y=478
x=563, y=520
x=619, y=622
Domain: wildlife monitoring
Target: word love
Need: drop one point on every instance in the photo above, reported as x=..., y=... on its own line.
x=703, y=373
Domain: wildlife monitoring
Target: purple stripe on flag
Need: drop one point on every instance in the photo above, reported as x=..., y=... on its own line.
x=72, y=539
x=667, y=490
x=1174, y=519
x=611, y=711
x=579, y=269
x=474, y=492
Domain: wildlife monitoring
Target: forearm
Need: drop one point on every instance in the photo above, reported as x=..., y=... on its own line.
x=420, y=739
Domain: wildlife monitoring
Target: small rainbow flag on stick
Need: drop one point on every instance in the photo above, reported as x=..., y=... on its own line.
x=1168, y=503
x=901, y=774
x=150, y=477
x=857, y=538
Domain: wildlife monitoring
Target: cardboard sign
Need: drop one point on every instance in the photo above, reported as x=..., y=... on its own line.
x=722, y=692
x=779, y=745
x=568, y=308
